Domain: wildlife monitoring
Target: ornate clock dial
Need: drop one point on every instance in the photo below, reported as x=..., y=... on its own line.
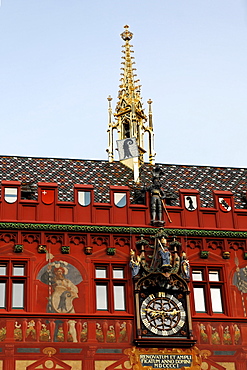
x=163, y=314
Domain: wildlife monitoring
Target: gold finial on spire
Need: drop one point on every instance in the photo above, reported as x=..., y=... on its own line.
x=126, y=35
x=130, y=116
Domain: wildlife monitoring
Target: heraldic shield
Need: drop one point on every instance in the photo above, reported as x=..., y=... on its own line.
x=225, y=204
x=84, y=198
x=62, y=299
x=127, y=148
x=47, y=196
x=10, y=195
x=190, y=202
x=120, y=199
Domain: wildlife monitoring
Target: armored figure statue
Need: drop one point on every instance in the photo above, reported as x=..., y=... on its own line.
x=157, y=195
x=158, y=198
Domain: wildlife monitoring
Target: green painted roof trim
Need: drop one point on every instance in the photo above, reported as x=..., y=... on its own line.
x=121, y=230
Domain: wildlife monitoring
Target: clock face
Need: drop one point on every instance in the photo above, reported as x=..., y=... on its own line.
x=163, y=314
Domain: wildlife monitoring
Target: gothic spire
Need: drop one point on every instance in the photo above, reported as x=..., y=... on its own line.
x=129, y=93
x=131, y=121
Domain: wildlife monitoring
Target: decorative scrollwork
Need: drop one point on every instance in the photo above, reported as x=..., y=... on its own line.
x=171, y=282
x=54, y=238
x=77, y=239
x=121, y=241
x=100, y=241
x=8, y=237
x=215, y=244
x=194, y=243
x=237, y=244
x=31, y=238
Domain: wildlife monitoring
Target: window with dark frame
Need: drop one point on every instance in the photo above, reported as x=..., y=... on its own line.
x=27, y=190
x=13, y=281
x=208, y=289
x=110, y=282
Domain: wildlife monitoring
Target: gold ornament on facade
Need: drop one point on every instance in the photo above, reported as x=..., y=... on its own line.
x=49, y=351
x=205, y=353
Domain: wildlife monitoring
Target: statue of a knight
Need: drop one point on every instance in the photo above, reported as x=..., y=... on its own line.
x=157, y=195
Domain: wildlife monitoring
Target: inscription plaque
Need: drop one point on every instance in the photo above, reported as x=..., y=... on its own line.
x=166, y=361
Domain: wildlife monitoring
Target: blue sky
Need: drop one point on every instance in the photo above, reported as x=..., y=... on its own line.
x=60, y=59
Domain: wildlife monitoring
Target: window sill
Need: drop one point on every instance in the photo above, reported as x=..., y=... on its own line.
x=201, y=315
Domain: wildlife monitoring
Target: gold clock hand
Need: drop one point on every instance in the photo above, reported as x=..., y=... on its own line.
x=152, y=312
x=173, y=313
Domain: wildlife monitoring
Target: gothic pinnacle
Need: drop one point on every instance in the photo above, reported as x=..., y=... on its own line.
x=130, y=119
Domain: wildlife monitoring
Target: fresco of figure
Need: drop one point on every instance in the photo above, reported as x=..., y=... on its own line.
x=63, y=278
x=64, y=292
x=240, y=279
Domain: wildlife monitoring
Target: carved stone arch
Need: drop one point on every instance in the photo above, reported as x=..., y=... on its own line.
x=49, y=363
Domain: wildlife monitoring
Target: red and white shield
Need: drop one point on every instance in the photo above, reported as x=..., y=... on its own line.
x=47, y=196
x=225, y=204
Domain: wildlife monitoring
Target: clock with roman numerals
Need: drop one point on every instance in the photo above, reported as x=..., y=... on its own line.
x=163, y=314
x=162, y=296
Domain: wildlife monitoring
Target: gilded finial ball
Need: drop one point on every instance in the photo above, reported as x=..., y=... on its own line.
x=126, y=35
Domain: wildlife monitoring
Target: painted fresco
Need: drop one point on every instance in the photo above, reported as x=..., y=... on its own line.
x=62, y=279
x=240, y=279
